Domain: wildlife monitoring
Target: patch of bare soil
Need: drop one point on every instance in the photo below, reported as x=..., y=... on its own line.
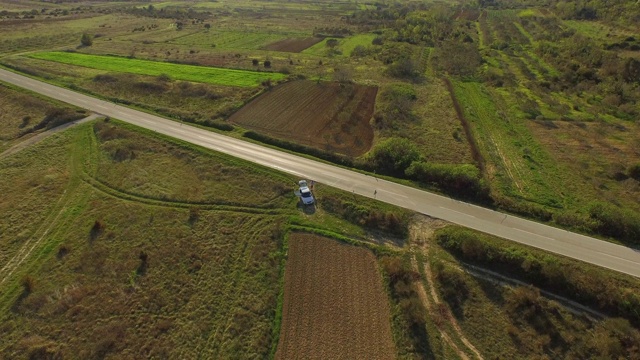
x=335, y=306
x=294, y=45
x=328, y=116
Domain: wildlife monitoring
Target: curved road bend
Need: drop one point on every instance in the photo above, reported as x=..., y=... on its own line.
x=587, y=249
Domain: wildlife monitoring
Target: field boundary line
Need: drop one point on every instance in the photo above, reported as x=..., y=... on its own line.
x=100, y=186
x=475, y=150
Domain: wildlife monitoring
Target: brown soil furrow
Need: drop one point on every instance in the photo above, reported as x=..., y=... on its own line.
x=334, y=304
x=294, y=45
x=324, y=116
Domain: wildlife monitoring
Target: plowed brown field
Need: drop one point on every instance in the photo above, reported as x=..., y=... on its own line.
x=334, y=304
x=326, y=116
x=294, y=45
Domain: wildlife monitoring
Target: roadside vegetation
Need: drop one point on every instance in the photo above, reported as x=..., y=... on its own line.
x=24, y=113
x=515, y=301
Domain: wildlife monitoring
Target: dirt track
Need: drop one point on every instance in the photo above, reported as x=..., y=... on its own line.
x=334, y=304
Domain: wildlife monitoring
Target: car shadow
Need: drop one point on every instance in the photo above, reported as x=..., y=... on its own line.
x=307, y=209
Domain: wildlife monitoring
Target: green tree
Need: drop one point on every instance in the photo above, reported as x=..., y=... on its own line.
x=394, y=155
x=634, y=171
x=332, y=43
x=86, y=40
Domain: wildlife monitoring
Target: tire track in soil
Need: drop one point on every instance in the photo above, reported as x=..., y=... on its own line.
x=47, y=224
x=422, y=229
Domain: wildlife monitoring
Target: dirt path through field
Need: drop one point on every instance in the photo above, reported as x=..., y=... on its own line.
x=43, y=135
x=10, y=267
x=421, y=230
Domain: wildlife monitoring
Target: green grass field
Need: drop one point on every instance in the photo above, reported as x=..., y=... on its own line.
x=346, y=45
x=217, y=76
x=520, y=166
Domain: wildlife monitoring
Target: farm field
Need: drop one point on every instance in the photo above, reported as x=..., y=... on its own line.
x=190, y=259
x=545, y=143
x=345, y=45
x=162, y=263
x=217, y=76
x=327, y=116
x=294, y=45
x=434, y=127
x=229, y=39
x=334, y=303
x=200, y=103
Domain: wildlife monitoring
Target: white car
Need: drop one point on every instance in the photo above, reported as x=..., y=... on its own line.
x=305, y=193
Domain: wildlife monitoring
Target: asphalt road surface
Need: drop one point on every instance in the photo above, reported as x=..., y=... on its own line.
x=591, y=250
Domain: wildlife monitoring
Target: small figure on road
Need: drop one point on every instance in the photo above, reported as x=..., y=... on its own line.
x=375, y=192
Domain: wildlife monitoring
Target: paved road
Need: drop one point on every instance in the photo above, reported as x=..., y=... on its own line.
x=527, y=232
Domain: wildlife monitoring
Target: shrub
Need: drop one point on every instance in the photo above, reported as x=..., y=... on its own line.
x=105, y=78
x=332, y=43
x=144, y=263
x=372, y=218
x=359, y=51
x=464, y=180
x=28, y=283
x=393, y=156
x=553, y=273
x=622, y=224
x=220, y=125
x=86, y=40
x=634, y=171
x=194, y=215
x=453, y=288
x=403, y=69
x=97, y=229
x=267, y=63
x=401, y=283
x=63, y=250
x=56, y=117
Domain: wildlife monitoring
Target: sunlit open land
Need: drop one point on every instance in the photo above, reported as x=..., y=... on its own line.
x=530, y=110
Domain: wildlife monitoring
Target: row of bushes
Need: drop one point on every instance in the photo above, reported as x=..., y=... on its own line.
x=388, y=221
x=53, y=118
x=610, y=294
x=400, y=158
x=401, y=280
